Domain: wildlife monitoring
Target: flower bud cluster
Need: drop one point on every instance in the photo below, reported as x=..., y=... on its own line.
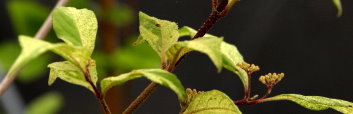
x=191, y=93
x=250, y=68
x=271, y=79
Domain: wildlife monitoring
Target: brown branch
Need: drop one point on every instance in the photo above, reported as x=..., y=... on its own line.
x=252, y=102
x=97, y=93
x=42, y=32
x=143, y=95
x=46, y=27
x=141, y=98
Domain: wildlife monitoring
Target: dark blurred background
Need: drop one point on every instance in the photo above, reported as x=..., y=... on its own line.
x=302, y=38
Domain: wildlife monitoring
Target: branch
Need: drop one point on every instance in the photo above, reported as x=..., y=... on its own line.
x=141, y=98
x=217, y=13
x=42, y=32
x=97, y=93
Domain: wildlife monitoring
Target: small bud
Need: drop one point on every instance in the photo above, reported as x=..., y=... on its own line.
x=254, y=97
x=248, y=68
x=262, y=79
x=271, y=79
x=191, y=93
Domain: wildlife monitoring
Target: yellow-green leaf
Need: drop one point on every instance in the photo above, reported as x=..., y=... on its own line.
x=71, y=73
x=208, y=45
x=231, y=57
x=316, y=102
x=159, y=76
x=160, y=34
x=338, y=6
x=212, y=102
x=176, y=52
x=49, y=103
x=76, y=27
x=77, y=55
x=31, y=49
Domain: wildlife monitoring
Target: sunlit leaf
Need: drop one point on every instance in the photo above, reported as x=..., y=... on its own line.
x=31, y=49
x=338, y=6
x=176, y=52
x=49, y=103
x=78, y=55
x=231, y=57
x=159, y=76
x=72, y=74
x=160, y=34
x=10, y=51
x=212, y=102
x=77, y=27
x=316, y=102
x=208, y=45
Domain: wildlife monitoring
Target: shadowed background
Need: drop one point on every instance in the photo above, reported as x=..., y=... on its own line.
x=302, y=38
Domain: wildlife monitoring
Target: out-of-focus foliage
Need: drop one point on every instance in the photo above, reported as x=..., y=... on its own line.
x=338, y=5
x=121, y=16
x=49, y=103
x=127, y=58
x=79, y=3
x=27, y=16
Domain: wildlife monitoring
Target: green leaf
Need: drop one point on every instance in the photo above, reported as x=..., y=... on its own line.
x=230, y=54
x=316, y=102
x=49, y=103
x=31, y=49
x=339, y=7
x=212, y=102
x=208, y=45
x=176, y=52
x=231, y=57
x=160, y=34
x=159, y=76
x=77, y=55
x=28, y=74
x=77, y=27
x=71, y=73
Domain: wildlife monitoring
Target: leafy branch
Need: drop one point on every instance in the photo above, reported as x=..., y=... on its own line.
x=218, y=11
x=78, y=29
x=42, y=32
